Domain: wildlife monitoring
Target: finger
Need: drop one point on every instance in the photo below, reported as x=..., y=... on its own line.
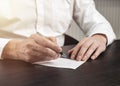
x=74, y=52
x=71, y=50
x=89, y=52
x=52, y=46
x=34, y=56
x=51, y=53
x=76, y=49
x=83, y=50
x=97, y=53
x=40, y=50
x=53, y=39
x=46, y=43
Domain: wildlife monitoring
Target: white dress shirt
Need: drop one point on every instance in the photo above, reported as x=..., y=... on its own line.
x=50, y=18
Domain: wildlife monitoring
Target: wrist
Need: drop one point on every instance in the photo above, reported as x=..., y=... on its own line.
x=102, y=37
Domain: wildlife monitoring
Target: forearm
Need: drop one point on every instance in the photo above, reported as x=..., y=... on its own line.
x=9, y=50
x=91, y=21
x=3, y=43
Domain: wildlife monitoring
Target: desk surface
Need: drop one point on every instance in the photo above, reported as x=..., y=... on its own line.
x=105, y=71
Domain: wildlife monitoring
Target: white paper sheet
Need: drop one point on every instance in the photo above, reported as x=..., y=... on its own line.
x=61, y=63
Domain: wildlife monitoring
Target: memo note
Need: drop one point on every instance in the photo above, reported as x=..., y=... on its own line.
x=62, y=63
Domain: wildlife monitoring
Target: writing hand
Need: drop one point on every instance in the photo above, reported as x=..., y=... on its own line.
x=32, y=49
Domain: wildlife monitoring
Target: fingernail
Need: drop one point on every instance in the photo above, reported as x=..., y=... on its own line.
x=79, y=58
x=93, y=57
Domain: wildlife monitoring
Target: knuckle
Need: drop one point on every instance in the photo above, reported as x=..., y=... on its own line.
x=96, y=44
x=85, y=46
x=80, y=53
x=83, y=50
x=92, y=48
x=73, y=53
x=54, y=55
x=28, y=45
x=28, y=51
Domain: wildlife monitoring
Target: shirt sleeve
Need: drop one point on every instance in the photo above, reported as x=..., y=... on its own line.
x=3, y=42
x=91, y=21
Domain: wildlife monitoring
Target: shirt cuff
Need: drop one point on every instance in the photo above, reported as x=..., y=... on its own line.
x=3, y=43
x=107, y=31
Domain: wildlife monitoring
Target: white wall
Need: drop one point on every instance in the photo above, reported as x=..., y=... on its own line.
x=108, y=8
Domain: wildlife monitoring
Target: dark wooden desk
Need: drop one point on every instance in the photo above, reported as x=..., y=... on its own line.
x=105, y=71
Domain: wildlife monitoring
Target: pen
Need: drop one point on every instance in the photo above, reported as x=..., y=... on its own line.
x=63, y=54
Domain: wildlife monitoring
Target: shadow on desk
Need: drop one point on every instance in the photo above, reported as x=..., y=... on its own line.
x=104, y=71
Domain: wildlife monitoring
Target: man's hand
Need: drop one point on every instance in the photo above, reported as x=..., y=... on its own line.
x=33, y=49
x=89, y=47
